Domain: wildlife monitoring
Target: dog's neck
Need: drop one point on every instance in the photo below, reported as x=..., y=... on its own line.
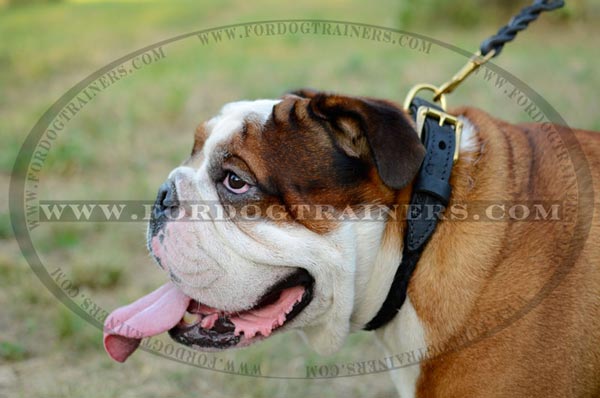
x=379, y=254
x=379, y=251
x=380, y=244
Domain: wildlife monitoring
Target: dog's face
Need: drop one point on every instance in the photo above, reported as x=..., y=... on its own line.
x=278, y=254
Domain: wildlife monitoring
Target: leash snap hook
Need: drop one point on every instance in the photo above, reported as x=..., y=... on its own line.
x=471, y=66
x=439, y=92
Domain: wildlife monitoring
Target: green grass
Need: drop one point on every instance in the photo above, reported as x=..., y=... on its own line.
x=97, y=273
x=10, y=351
x=124, y=143
x=74, y=332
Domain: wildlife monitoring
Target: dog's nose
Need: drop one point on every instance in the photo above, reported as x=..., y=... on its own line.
x=166, y=200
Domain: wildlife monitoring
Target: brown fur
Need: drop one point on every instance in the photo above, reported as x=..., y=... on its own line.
x=526, y=294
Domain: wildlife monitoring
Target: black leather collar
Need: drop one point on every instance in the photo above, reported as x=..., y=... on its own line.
x=430, y=195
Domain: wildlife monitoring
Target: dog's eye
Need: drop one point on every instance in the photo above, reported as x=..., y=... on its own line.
x=235, y=184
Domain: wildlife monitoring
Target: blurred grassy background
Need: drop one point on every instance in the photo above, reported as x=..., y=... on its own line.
x=123, y=145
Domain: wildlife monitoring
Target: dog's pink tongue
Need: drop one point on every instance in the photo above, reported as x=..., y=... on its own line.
x=153, y=314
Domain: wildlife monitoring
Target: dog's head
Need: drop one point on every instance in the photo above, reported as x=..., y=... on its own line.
x=276, y=252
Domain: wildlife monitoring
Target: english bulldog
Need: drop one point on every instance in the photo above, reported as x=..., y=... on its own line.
x=498, y=306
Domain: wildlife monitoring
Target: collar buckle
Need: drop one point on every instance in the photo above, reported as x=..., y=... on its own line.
x=444, y=118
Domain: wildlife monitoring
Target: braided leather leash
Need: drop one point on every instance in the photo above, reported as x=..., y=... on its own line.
x=517, y=23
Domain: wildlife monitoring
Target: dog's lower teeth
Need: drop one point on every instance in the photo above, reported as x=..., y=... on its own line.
x=190, y=319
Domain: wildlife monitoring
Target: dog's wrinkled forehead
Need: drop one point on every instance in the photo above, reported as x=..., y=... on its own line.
x=289, y=154
x=283, y=142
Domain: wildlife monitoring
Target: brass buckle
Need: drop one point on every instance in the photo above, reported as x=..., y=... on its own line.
x=424, y=111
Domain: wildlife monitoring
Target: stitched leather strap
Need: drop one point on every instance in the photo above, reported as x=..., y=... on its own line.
x=431, y=193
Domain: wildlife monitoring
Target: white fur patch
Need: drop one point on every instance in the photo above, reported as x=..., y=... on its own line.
x=375, y=271
x=468, y=141
x=404, y=336
x=231, y=119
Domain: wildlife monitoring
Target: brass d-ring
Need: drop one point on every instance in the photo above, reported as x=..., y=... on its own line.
x=420, y=87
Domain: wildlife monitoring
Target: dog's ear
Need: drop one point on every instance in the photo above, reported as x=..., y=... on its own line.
x=372, y=129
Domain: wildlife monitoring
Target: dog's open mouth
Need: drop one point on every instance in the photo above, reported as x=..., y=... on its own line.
x=195, y=324
x=206, y=327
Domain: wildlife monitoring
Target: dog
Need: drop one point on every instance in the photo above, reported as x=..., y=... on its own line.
x=503, y=306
